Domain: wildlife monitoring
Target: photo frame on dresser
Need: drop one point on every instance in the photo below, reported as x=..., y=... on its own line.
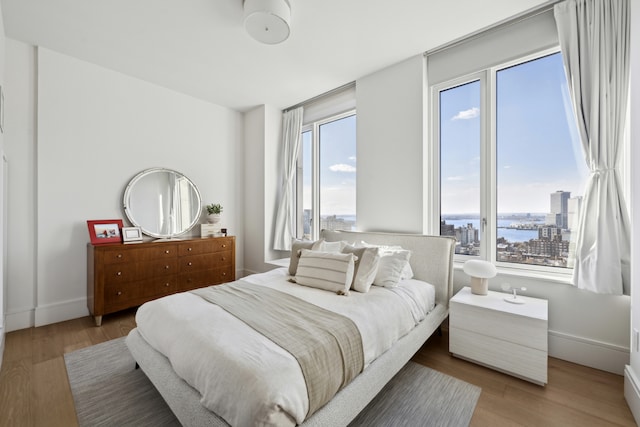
x=103, y=231
x=131, y=235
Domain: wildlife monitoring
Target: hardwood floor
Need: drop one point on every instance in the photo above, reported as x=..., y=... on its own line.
x=34, y=390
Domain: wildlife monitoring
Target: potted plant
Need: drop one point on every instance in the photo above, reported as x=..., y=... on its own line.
x=214, y=210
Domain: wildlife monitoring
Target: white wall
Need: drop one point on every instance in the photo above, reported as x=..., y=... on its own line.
x=3, y=201
x=390, y=141
x=262, y=177
x=632, y=372
x=584, y=327
x=95, y=129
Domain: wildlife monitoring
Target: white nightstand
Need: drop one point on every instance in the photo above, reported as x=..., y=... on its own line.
x=511, y=338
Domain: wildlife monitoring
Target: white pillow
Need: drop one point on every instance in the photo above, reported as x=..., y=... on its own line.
x=325, y=270
x=335, y=247
x=390, y=268
x=366, y=267
x=296, y=246
x=407, y=271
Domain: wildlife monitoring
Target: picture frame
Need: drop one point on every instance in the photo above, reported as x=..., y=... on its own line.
x=131, y=235
x=103, y=231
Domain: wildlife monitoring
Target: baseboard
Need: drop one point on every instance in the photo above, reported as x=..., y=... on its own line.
x=632, y=392
x=592, y=353
x=20, y=319
x=59, y=312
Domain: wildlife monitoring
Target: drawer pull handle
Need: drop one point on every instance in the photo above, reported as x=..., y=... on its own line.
x=223, y=258
x=189, y=263
x=119, y=255
x=119, y=273
x=167, y=251
x=190, y=249
x=224, y=246
x=224, y=274
x=119, y=293
x=166, y=267
x=166, y=284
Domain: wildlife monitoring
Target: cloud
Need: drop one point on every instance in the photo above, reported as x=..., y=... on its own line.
x=352, y=158
x=341, y=167
x=471, y=113
x=456, y=178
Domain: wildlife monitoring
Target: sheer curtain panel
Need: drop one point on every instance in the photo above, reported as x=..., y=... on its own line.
x=285, y=218
x=594, y=39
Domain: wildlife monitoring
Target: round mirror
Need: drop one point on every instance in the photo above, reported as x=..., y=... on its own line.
x=162, y=202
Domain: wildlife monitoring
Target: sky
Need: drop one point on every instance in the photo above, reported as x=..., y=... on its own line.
x=538, y=151
x=337, y=167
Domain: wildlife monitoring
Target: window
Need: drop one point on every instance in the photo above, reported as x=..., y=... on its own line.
x=511, y=168
x=327, y=176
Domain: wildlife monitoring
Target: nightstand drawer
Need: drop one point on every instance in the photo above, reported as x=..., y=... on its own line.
x=511, y=358
x=521, y=330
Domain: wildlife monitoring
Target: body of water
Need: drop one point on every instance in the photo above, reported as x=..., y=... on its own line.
x=510, y=234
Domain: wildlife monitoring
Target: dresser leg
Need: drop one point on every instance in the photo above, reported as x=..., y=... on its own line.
x=98, y=320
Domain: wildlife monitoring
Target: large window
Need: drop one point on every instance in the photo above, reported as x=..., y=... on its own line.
x=511, y=169
x=327, y=176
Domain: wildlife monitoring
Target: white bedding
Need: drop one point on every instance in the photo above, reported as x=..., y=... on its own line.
x=244, y=377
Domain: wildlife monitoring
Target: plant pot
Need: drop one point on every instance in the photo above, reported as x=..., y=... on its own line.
x=213, y=218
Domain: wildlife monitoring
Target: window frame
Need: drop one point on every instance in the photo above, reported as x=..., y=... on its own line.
x=314, y=128
x=488, y=165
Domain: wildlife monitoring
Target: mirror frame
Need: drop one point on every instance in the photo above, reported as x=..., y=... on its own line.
x=127, y=205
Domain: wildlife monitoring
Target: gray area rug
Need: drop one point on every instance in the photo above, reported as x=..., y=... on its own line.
x=108, y=391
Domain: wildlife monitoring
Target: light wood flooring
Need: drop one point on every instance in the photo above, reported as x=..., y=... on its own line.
x=34, y=390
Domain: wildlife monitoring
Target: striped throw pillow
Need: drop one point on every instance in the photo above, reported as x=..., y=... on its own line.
x=325, y=270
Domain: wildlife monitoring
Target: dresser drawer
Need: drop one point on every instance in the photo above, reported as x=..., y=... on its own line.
x=124, y=273
x=160, y=286
x=116, y=294
x=205, y=246
x=204, y=261
x=162, y=251
x=120, y=273
x=123, y=254
x=199, y=279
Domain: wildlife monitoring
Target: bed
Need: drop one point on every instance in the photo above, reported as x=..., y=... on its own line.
x=431, y=261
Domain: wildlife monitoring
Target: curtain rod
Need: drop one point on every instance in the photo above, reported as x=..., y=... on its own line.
x=497, y=26
x=322, y=95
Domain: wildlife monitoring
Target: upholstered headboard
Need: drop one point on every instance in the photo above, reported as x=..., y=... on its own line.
x=431, y=256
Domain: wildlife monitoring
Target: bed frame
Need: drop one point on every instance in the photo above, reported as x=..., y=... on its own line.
x=431, y=261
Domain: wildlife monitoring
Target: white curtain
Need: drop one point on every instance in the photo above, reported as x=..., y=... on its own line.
x=285, y=218
x=594, y=39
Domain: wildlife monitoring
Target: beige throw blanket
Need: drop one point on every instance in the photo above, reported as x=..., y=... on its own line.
x=328, y=346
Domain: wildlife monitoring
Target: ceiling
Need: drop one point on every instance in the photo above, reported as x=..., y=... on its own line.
x=200, y=48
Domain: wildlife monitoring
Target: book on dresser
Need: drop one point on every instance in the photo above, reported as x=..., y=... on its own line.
x=121, y=276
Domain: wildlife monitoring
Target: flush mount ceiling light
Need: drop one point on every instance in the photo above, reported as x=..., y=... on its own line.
x=267, y=20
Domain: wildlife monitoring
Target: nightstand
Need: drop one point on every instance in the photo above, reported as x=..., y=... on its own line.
x=511, y=338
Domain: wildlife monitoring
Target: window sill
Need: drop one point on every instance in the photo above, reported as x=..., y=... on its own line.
x=546, y=276
x=280, y=262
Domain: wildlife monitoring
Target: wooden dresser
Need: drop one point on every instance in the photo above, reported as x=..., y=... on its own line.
x=120, y=276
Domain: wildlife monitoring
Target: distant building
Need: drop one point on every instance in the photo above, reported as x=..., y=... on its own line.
x=446, y=229
x=574, y=205
x=549, y=233
x=559, y=209
x=467, y=235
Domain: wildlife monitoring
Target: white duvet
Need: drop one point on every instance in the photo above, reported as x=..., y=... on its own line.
x=247, y=379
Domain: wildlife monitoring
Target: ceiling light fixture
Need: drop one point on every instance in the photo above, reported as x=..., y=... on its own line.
x=267, y=20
